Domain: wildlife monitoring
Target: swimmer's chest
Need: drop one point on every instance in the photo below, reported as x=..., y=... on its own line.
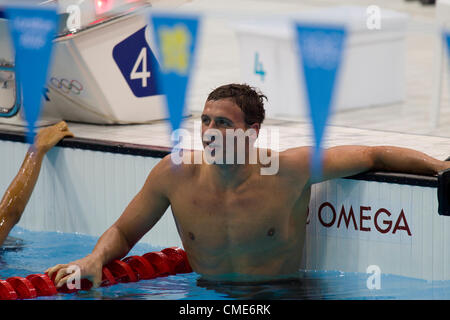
x=250, y=217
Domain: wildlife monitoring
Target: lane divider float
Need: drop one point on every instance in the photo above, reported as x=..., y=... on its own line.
x=151, y=265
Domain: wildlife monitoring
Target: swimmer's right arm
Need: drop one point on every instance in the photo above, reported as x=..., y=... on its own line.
x=142, y=213
x=19, y=191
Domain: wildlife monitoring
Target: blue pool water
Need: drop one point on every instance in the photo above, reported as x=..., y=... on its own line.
x=44, y=249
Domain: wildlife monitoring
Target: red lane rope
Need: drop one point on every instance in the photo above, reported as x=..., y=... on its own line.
x=151, y=265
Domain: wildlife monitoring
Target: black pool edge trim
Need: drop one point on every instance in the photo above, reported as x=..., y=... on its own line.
x=161, y=152
x=97, y=145
x=398, y=178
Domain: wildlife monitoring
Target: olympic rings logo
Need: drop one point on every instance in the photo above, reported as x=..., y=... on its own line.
x=67, y=86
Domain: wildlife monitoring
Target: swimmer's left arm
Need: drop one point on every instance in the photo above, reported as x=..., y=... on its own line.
x=344, y=161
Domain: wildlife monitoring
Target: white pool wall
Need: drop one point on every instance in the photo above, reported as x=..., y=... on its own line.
x=83, y=191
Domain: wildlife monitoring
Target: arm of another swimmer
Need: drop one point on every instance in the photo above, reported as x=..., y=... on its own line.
x=19, y=191
x=141, y=214
x=344, y=161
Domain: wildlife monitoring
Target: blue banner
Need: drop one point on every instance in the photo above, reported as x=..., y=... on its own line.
x=320, y=53
x=447, y=41
x=32, y=31
x=175, y=38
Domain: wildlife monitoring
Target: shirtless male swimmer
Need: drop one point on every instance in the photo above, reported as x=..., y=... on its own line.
x=235, y=223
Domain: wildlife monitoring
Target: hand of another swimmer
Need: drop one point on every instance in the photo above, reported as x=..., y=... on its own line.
x=89, y=268
x=50, y=136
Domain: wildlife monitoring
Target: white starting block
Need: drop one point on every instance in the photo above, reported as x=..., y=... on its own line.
x=103, y=72
x=372, y=71
x=104, y=75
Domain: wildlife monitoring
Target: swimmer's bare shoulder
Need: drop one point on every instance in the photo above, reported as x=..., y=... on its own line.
x=168, y=175
x=295, y=163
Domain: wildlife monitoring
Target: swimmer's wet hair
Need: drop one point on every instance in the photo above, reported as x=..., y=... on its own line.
x=249, y=99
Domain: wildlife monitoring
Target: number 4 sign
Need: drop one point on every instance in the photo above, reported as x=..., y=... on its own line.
x=144, y=74
x=137, y=64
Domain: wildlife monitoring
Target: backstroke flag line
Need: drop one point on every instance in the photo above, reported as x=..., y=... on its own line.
x=32, y=31
x=175, y=37
x=320, y=52
x=446, y=39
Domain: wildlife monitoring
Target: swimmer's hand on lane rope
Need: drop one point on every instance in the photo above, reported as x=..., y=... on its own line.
x=48, y=137
x=90, y=268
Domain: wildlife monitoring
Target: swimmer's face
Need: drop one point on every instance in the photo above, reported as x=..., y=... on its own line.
x=222, y=116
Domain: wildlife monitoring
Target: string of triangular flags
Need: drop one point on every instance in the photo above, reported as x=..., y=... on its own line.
x=320, y=50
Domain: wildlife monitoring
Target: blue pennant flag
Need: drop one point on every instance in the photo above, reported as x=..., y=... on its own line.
x=447, y=41
x=32, y=31
x=175, y=38
x=320, y=52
